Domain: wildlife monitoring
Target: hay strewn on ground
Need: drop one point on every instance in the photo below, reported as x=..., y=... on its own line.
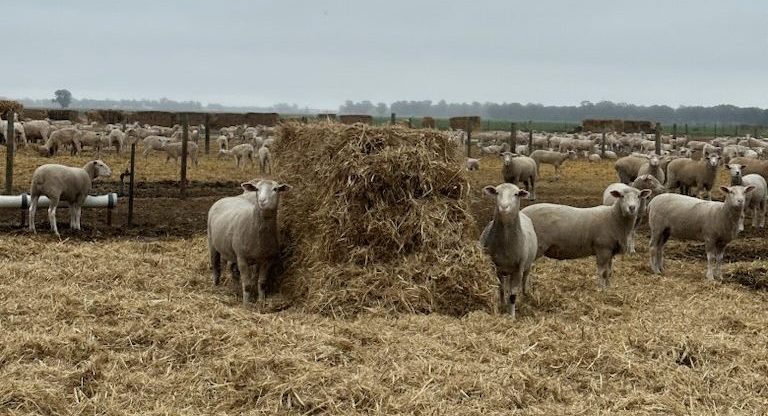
x=379, y=218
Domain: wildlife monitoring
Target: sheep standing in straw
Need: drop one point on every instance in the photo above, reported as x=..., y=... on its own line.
x=243, y=230
x=65, y=183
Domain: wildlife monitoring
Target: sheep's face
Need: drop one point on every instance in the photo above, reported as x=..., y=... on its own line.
x=629, y=200
x=572, y=155
x=507, y=157
x=713, y=159
x=653, y=160
x=268, y=192
x=507, y=198
x=735, y=170
x=101, y=168
x=735, y=196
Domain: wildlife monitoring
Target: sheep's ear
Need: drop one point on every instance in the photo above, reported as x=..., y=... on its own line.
x=645, y=193
x=616, y=194
x=743, y=167
x=283, y=187
x=249, y=187
x=749, y=189
x=490, y=191
x=725, y=189
x=523, y=194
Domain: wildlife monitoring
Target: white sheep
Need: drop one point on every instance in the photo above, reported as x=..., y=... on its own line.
x=594, y=158
x=756, y=200
x=609, y=199
x=687, y=218
x=116, y=139
x=516, y=169
x=68, y=136
x=628, y=167
x=510, y=240
x=652, y=167
x=152, y=142
x=549, y=157
x=265, y=160
x=37, y=130
x=566, y=232
x=223, y=142
x=243, y=230
x=173, y=151
x=241, y=152
x=687, y=174
x=473, y=164
x=58, y=182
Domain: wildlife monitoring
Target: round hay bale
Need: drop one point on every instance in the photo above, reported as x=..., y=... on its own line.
x=379, y=219
x=10, y=105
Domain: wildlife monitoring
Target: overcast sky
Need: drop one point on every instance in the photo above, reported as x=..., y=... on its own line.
x=319, y=53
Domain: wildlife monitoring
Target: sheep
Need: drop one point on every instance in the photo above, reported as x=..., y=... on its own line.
x=628, y=167
x=686, y=174
x=90, y=138
x=594, y=158
x=58, y=182
x=518, y=169
x=116, y=138
x=510, y=240
x=240, y=152
x=759, y=167
x=152, y=142
x=68, y=136
x=566, y=232
x=756, y=200
x=553, y=158
x=473, y=164
x=687, y=218
x=265, y=160
x=268, y=142
x=223, y=142
x=18, y=132
x=173, y=151
x=609, y=199
x=495, y=149
x=610, y=155
x=521, y=149
x=652, y=167
x=243, y=230
x=37, y=130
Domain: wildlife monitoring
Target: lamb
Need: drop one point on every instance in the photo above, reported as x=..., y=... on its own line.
x=687, y=173
x=243, y=231
x=473, y=164
x=18, y=132
x=240, y=152
x=223, y=142
x=628, y=167
x=566, y=232
x=37, y=130
x=687, y=218
x=756, y=200
x=594, y=158
x=652, y=167
x=495, y=149
x=518, y=169
x=609, y=199
x=58, y=182
x=116, y=138
x=153, y=143
x=69, y=136
x=510, y=240
x=611, y=155
x=553, y=158
x=265, y=160
x=173, y=151
x=91, y=139
x=759, y=167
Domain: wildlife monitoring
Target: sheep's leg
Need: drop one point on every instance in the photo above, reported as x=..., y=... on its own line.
x=263, y=274
x=762, y=213
x=503, y=291
x=72, y=217
x=742, y=216
x=525, y=287
x=531, y=185
x=235, y=272
x=604, y=265
x=631, y=242
x=754, y=217
x=52, y=215
x=215, y=265
x=32, y=211
x=711, y=257
x=146, y=152
x=246, y=281
x=719, y=253
x=516, y=282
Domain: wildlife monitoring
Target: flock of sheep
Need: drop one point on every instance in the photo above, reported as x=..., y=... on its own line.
x=72, y=184
x=646, y=187
x=243, y=231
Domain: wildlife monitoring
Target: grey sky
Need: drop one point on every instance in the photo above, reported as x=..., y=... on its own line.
x=319, y=53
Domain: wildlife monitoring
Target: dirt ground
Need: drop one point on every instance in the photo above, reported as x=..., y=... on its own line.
x=124, y=320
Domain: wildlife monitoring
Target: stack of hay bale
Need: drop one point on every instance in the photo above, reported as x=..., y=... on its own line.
x=9, y=105
x=379, y=219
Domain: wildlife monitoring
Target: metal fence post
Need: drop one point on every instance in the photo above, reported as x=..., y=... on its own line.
x=469, y=138
x=130, y=187
x=184, y=144
x=207, y=133
x=658, y=138
x=10, y=142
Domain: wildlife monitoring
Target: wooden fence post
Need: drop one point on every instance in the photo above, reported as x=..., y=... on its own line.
x=530, y=142
x=736, y=131
x=10, y=142
x=410, y=122
x=207, y=133
x=602, y=146
x=686, y=129
x=674, y=131
x=130, y=187
x=184, y=140
x=469, y=138
x=392, y=118
x=754, y=133
x=512, y=137
x=658, y=138
x=715, y=129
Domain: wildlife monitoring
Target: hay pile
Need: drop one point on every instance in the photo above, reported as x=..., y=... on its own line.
x=379, y=219
x=10, y=105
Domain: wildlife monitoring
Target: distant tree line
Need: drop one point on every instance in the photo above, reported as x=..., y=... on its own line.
x=721, y=114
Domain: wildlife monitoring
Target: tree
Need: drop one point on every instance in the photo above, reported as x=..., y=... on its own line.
x=63, y=97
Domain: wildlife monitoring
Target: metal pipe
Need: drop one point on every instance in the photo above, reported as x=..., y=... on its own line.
x=91, y=201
